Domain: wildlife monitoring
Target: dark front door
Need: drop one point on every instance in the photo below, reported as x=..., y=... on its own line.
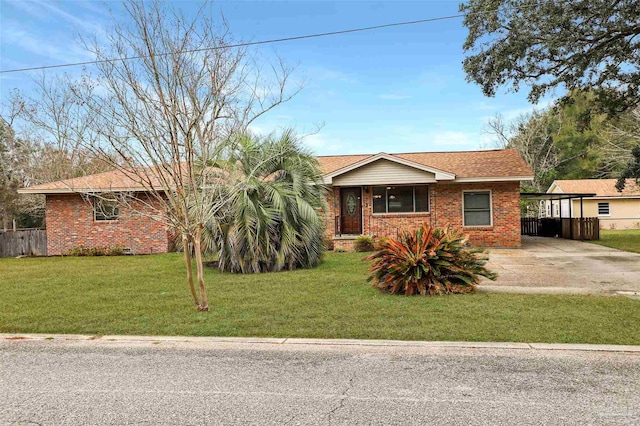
x=351, y=210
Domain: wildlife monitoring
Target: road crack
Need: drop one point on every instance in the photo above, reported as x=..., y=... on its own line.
x=341, y=399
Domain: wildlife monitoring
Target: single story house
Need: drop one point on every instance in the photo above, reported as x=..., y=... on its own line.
x=374, y=194
x=614, y=210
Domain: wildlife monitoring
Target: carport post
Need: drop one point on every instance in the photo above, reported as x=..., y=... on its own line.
x=560, y=209
x=581, y=221
x=571, y=218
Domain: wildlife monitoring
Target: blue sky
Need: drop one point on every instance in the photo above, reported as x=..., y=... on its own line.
x=398, y=89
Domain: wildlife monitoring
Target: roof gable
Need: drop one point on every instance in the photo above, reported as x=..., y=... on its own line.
x=439, y=174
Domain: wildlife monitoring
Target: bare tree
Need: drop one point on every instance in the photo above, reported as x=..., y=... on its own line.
x=620, y=138
x=532, y=136
x=167, y=118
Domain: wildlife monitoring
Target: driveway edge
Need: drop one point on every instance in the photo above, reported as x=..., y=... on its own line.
x=325, y=342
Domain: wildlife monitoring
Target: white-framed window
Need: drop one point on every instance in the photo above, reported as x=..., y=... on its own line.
x=603, y=209
x=476, y=208
x=400, y=199
x=105, y=210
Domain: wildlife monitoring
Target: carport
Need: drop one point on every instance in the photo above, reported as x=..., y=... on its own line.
x=563, y=226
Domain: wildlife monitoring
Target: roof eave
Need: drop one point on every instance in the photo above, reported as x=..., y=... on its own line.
x=492, y=179
x=81, y=191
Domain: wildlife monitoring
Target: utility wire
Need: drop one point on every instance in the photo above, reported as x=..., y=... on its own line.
x=255, y=43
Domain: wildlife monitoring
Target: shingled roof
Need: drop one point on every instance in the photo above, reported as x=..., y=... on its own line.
x=464, y=165
x=600, y=187
x=500, y=163
x=114, y=180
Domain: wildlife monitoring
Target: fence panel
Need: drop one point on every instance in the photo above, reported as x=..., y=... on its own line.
x=28, y=242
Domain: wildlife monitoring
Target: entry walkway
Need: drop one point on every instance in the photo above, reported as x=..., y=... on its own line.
x=557, y=262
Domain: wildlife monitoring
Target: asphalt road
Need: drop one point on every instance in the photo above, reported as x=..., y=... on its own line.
x=111, y=383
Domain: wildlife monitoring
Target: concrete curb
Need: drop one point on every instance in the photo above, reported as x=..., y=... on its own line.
x=539, y=290
x=326, y=342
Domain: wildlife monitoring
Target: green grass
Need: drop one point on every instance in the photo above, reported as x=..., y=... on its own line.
x=627, y=239
x=148, y=295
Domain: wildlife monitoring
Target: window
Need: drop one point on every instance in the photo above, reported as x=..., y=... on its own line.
x=104, y=210
x=476, y=208
x=400, y=199
x=603, y=209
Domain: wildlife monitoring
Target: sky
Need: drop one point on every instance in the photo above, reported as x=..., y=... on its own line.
x=400, y=89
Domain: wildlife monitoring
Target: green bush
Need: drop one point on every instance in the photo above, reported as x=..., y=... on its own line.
x=275, y=196
x=82, y=250
x=427, y=261
x=329, y=244
x=363, y=243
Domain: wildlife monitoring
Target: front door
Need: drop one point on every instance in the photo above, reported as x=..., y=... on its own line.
x=351, y=210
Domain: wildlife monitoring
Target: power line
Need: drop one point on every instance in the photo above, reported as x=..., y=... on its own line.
x=231, y=46
x=255, y=43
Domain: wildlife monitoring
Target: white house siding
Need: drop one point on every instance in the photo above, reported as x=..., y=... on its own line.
x=383, y=172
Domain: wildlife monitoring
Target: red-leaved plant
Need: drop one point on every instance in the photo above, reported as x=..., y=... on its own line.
x=427, y=261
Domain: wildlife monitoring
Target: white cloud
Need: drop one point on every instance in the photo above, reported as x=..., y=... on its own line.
x=440, y=139
x=79, y=23
x=511, y=114
x=64, y=51
x=433, y=80
x=323, y=144
x=393, y=97
x=484, y=106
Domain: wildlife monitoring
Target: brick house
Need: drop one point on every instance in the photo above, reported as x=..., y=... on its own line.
x=377, y=195
x=74, y=217
x=382, y=194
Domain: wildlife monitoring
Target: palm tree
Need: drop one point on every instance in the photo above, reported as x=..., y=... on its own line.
x=272, y=220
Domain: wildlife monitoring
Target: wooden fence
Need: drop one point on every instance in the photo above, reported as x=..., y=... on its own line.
x=25, y=242
x=587, y=228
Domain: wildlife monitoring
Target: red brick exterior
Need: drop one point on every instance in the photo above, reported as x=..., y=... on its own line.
x=70, y=223
x=445, y=208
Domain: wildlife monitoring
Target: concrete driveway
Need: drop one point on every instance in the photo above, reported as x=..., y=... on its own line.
x=559, y=263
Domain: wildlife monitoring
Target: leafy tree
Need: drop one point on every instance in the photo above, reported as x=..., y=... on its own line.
x=631, y=171
x=629, y=131
x=578, y=44
x=570, y=140
x=272, y=220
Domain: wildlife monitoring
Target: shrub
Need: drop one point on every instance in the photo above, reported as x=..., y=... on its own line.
x=95, y=251
x=272, y=220
x=363, y=243
x=427, y=261
x=329, y=244
x=340, y=250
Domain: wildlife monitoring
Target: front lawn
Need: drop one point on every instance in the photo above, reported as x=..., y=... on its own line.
x=626, y=239
x=148, y=295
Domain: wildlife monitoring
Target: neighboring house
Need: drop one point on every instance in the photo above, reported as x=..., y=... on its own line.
x=615, y=210
x=378, y=195
x=75, y=218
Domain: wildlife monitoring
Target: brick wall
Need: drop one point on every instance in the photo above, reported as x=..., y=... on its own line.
x=70, y=223
x=505, y=200
x=445, y=208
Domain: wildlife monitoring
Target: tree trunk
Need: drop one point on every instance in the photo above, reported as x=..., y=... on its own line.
x=187, y=260
x=204, y=305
